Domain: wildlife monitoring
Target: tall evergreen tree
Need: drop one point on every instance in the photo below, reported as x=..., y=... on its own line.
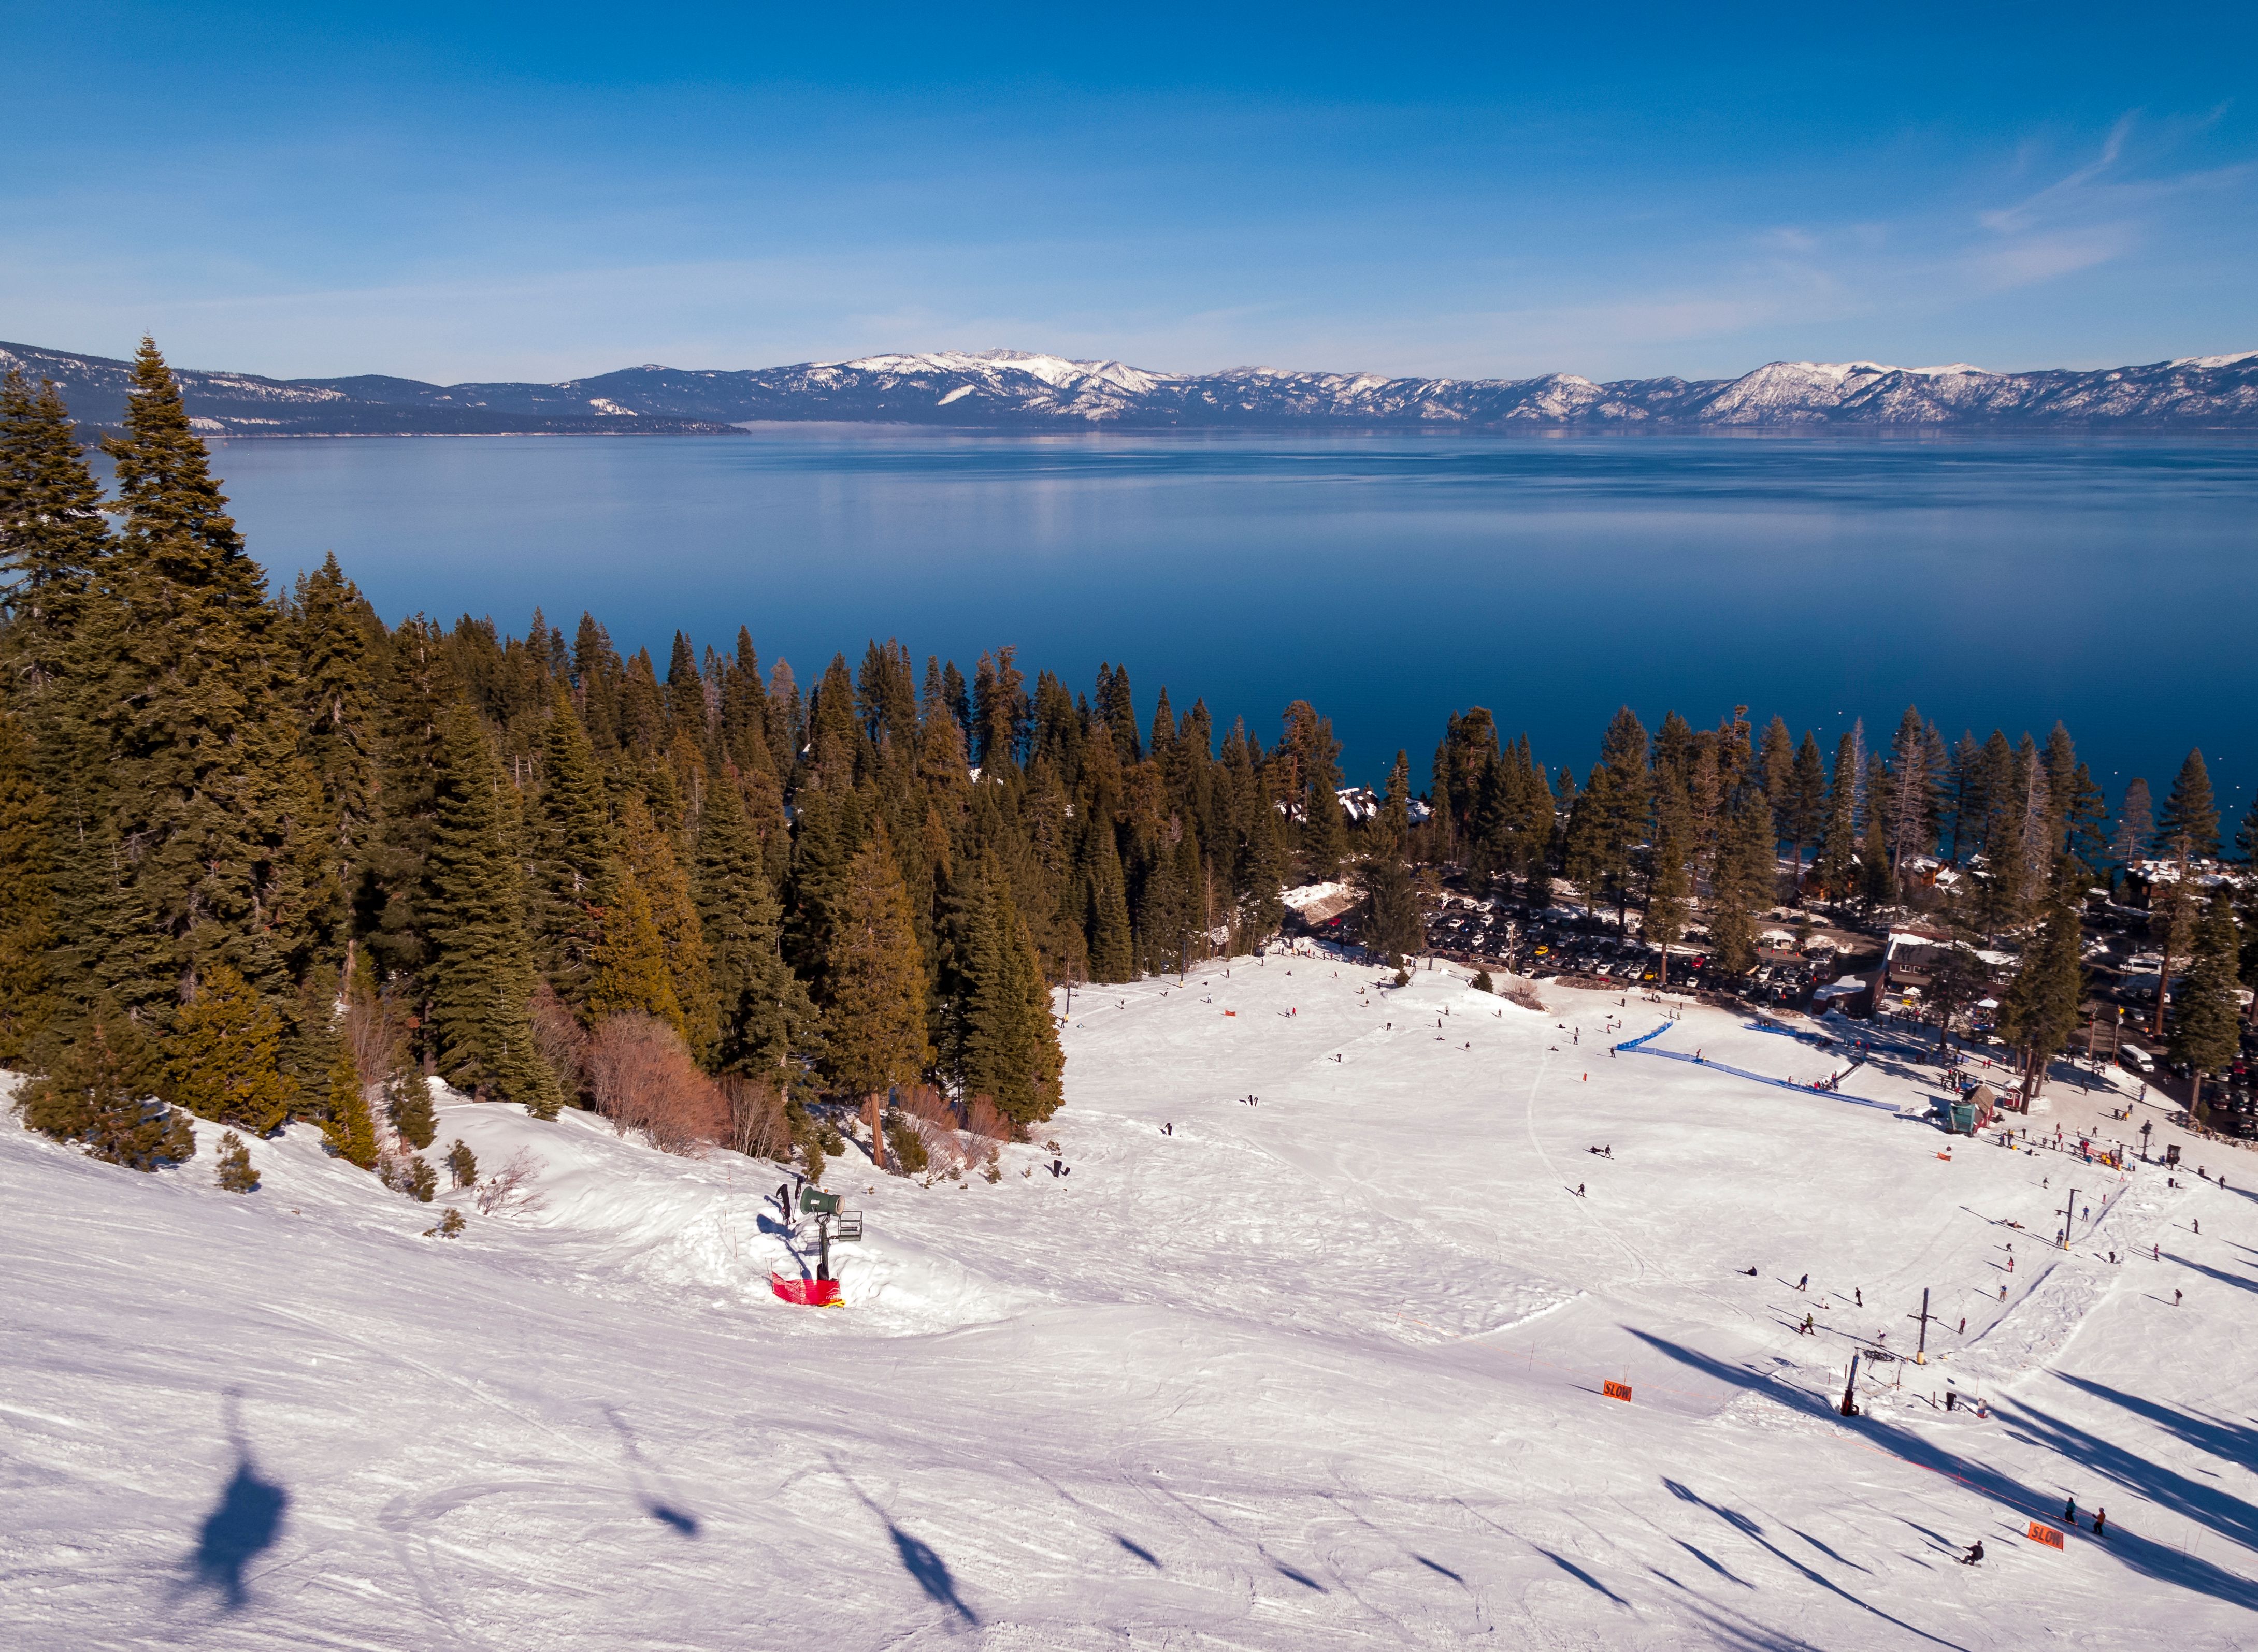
x=874, y=980
x=346, y=1126
x=53, y=538
x=2190, y=812
x=1009, y=1048
x=1112, y=948
x=27, y=907
x=222, y=1059
x=2206, y=1031
x=2039, y=1011
x=95, y=1092
x=481, y=972
x=764, y=1013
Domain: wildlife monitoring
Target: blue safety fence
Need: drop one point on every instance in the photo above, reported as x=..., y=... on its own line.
x=1632, y=1044
x=1759, y=1078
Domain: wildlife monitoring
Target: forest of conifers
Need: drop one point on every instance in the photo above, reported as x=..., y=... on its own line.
x=265, y=856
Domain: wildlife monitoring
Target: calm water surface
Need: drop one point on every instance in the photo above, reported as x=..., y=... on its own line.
x=1389, y=580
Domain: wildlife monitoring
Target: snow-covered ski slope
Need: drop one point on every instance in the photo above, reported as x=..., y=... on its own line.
x=1322, y=1372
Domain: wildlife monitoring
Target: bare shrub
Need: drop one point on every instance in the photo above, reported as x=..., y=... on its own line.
x=376, y=1032
x=922, y=1101
x=1514, y=989
x=560, y=1041
x=982, y=1119
x=509, y=1190
x=643, y=1079
x=758, y=1128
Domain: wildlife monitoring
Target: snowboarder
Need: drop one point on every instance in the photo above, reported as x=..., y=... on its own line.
x=1803, y=1284
x=1859, y=1295
x=2070, y=1514
x=2176, y=1299
x=2101, y=1523
x=1975, y=1554
x=1579, y=1194
x=1751, y=1272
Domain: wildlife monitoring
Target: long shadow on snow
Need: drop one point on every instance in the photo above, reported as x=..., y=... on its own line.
x=244, y=1525
x=2210, y=1507
x=918, y=1558
x=2154, y=1559
x=2224, y=1277
x=665, y=1512
x=1754, y=1533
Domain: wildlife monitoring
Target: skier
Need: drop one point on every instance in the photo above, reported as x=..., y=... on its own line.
x=2101, y=1523
x=1751, y=1272
x=2176, y=1299
x=1579, y=1194
x=2070, y=1514
x=1805, y=1328
x=1803, y=1284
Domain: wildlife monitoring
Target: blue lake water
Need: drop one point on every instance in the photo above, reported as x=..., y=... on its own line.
x=1389, y=580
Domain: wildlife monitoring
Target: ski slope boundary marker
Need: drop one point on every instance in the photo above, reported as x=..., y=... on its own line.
x=2045, y=1535
x=1616, y=1390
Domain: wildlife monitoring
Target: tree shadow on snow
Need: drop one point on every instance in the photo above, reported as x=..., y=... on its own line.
x=2152, y=1558
x=244, y=1525
x=918, y=1558
x=1583, y=1577
x=2221, y=1274
x=665, y=1511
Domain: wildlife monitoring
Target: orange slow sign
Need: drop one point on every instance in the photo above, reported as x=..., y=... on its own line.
x=1617, y=1391
x=2045, y=1535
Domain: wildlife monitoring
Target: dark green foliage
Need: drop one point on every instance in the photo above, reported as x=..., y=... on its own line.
x=96, y=1093
x=449, y=1225
x=222, y=1060
x=407, y=1104
x=462, y=1164
x=346, y=1126
x=2039, y=1011
x=481, y=972
x=422, y=1181
x=1389, y=924
x=1483, y=984
x=27, y=898
x=764, y=1013
x=234, y=1172
x=2189, y=821
x=906, y=1149
x=1402, y=977
x=2207, y=1023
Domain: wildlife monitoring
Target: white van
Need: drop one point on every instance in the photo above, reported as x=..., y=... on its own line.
x=2137, y=1059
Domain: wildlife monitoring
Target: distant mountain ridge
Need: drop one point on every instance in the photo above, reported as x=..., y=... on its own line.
x=1015, y=390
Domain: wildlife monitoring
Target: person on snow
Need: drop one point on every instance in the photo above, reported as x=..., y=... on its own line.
x=1975, y=1554
x=1804, y=1330
x=1858, y=1295
x=2070, y=1514
x=2101, y=1523
x=1579, y=1190
x=1803, y=1284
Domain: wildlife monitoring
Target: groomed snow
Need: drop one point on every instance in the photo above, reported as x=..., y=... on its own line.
x=1322, y=1371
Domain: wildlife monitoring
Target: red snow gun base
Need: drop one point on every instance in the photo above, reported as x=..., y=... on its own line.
x=806, y=1293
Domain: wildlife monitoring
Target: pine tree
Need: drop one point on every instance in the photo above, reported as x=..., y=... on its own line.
x=2191, y=813
x=408, y=1108
x=874, y=983
x=658, y=874
x=346, y=1128
x=1671, y=887
x=1389, y=925
x=627, y=973
x=2206, y=1029
x=1744, y=886
x=481, y=972
x=764, y=1013
x=1805, y=810
x=176, y=667
x=2136, y=823
x=95, y=1092
x=27, y=903
x=1112, y=950
x=462, y=1164
x=53, y=538
x=235, y=1173
x=221, y=1057
x=2039, y=1011
x=1008, y=1047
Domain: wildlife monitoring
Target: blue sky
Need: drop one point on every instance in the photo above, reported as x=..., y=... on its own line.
x=462, y=191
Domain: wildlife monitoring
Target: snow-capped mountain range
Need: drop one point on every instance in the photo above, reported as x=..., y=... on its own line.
x=1017, y=390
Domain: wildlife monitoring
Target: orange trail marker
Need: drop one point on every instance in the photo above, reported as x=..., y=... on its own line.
x=1617, y=1391
x=2045, y=1535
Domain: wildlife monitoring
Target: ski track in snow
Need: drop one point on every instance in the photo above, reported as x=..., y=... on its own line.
x=1322, y=1371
